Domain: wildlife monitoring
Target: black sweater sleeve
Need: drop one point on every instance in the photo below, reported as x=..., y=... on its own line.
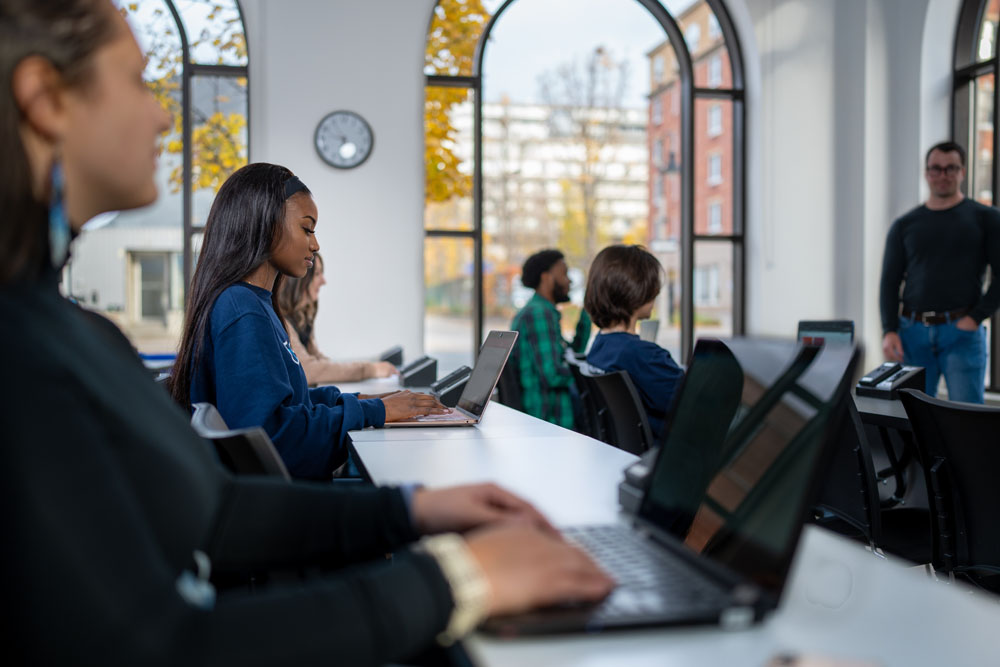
x=107, y=492
x=893, y=269
x=274, y=523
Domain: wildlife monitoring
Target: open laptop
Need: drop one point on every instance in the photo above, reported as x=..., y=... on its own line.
x=817, y=332
x=719, y=522
x=648, y=330
x=485, y=375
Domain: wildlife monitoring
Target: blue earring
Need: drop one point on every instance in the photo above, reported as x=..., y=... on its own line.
x=58, y=222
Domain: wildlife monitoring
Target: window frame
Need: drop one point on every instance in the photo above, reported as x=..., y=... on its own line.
x=190, y=70
x=685, y=98
x=967, y=68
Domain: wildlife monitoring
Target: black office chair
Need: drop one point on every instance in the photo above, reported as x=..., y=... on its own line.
x=509, y=387
x=849, y=499
x=626, y=425
x=245, y=451
x=591, y=420
x=958, y=448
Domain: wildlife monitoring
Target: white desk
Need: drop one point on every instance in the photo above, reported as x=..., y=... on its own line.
x=841, y=602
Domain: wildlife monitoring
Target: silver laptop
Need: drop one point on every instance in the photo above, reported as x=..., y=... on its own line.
x=472, y=403
x=720, y=519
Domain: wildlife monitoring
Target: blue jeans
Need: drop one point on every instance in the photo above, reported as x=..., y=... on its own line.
x=946, y=349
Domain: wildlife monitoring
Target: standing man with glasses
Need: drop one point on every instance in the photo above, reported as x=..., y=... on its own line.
x=939, y=252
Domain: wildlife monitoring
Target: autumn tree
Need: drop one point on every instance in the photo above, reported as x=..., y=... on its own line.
x=218, y=147
x=451, y=45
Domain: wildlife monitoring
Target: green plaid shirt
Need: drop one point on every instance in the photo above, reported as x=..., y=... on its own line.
x=538, y=356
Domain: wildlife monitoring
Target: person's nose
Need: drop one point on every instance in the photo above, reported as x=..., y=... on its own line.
x=313, y=244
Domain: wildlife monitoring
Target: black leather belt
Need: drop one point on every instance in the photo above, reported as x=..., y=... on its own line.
x=936, y=317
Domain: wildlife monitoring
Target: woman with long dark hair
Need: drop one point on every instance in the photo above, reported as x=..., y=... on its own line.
x=117, y=517
x=235, y=352
x=299, y=301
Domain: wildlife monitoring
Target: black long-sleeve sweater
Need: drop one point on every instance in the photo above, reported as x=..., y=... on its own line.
x=942, y=257
x=106, y=492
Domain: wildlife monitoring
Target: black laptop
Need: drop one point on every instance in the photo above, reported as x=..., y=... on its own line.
x=719, y=522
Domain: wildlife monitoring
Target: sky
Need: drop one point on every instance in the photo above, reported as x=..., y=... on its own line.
x=533, y=36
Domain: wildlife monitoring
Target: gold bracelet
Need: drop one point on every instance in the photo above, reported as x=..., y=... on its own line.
x=470, y=589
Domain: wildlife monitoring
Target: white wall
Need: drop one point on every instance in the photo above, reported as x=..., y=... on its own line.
x=310, y=57
x=844, y=113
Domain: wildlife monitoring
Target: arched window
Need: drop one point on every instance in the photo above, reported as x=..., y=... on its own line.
x=135, y=266
x=626, y=127
x=974, y=115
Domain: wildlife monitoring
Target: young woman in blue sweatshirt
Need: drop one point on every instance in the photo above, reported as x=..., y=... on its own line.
x=235, y=352
x=624, y=282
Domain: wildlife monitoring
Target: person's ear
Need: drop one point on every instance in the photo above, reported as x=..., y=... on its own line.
x=39, y=94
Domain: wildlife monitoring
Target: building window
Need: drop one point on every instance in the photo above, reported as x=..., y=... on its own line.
x=715, y=217
x=692, y=35
x=714, y=30
x=715, y=120
x=974, y=118
x=134, y=266
x=714, y=169
x=622, y=184
x=715, y=71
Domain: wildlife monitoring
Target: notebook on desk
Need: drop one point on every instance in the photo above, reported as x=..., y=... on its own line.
x=719, y=522
x=472, y=403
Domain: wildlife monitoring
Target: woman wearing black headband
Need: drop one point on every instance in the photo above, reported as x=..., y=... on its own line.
x=235, y=352
x=118, y=520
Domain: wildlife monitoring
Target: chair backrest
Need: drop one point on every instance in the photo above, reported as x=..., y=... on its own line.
x=627, y=426
x=592, y=420
x=850, y=489
x=957, y=444
x=509, y=388
x=245, y=451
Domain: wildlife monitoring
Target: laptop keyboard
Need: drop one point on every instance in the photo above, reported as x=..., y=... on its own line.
x=651, y=581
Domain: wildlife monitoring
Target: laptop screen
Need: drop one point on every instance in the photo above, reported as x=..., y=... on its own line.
x=817, y=332
x=737, y=470
x=492, y=357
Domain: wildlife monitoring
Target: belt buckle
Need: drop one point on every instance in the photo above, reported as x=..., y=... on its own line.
x=927, y=314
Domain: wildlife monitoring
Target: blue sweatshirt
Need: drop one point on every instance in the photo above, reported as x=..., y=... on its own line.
x=653, y=371
x=248, y=371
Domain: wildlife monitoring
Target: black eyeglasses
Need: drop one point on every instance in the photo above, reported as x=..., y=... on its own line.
x=951, y=170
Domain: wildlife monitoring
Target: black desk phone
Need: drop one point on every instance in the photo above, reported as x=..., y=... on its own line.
x=449, y=388
x=886, y=380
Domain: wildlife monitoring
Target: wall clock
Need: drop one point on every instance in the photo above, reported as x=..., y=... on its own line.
x=343, y=139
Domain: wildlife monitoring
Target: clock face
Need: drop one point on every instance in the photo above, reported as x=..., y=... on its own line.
x=344, y=139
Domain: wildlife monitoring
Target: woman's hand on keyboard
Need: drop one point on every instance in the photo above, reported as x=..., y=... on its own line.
x=529, y=568
x=462, y=508
x=407, y=404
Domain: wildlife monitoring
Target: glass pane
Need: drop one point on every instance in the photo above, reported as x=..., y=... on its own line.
x=105, y=272
x=566, y=151
x=214, y=31
x=668, y=304
x=218, y=135
x=981, y=160
x=448, y=289
x=455, y=30
x=713, y=166
x=709, y=54
x=713, y=288
x=448, y=147
x=988, y=30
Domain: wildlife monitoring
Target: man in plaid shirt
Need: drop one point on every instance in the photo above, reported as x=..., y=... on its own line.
x=547, y=385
